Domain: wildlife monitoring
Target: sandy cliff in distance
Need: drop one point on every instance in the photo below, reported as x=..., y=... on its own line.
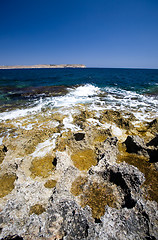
x=44, y=66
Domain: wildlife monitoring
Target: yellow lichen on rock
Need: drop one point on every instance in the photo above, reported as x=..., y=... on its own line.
x=42, y=167
x=94, y=194
x=37, y=209
x=100, y=138
x=78, y=184
x=27, y=140
x=6, y=184
x=62, y=142
x=97, y=196
x=84, y=159
x=80, y=119
x=58, y=117
x=117, y=118
x=50, y=183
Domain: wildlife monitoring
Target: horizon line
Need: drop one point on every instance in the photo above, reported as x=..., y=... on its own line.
x=68, y=65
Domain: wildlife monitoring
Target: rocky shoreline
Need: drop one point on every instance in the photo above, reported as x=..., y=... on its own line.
x=95, y=179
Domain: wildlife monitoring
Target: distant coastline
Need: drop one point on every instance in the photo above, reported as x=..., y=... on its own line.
x=44, y=66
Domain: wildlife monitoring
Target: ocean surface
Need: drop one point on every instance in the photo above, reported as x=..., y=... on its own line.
x=29, y=91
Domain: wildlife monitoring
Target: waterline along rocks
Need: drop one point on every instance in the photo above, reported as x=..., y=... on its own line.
x=78, y=170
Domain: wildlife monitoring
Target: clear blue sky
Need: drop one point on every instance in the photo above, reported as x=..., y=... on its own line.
x=98, y=33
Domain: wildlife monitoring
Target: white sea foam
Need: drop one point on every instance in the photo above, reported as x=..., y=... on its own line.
x=86, y=90
x=142, y=106
x=21, y=112
x=67, y=122
x=82, y=94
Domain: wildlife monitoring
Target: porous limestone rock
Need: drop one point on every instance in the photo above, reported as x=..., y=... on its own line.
x=135, y=144
x=102, y=201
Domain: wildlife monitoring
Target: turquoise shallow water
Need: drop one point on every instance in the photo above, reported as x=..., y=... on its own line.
x=124, y=88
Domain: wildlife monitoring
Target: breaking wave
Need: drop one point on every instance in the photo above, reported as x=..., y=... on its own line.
x=143, y=106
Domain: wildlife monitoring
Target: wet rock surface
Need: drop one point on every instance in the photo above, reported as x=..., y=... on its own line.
x=90, y=183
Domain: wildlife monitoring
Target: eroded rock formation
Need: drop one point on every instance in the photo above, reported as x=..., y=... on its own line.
x=90, y=183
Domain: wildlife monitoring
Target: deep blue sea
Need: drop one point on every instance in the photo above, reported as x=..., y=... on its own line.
x=140, y=80
x=132, y=89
